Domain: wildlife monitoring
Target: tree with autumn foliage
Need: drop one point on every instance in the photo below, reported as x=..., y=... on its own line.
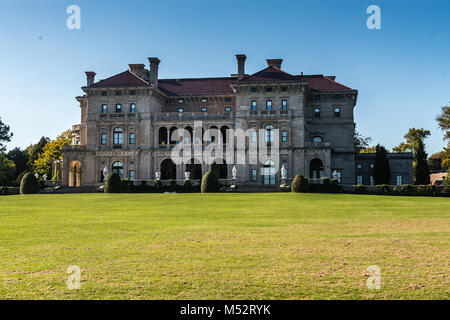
x=52, y=151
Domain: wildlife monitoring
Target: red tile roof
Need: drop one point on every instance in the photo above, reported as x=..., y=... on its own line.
x=124, y=79
x=220, y=86
x=323, y=83
x=193, y=87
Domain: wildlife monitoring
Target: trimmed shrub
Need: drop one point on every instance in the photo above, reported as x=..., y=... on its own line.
x=299, y=184
x=187, y=183
x=29, y=184
x=113, y=183
x=326, y=184
x=360, y=189
x=126, y=186
x=408, y=189
x=210, y=183
x=335, y=186
x=4, y=191
x=383, y=189
x=157, y=184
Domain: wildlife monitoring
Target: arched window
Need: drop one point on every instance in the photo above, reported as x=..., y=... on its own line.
x=316, y=169
x=268, y=133
x=118, y=136
x=317, y=139
x=117, y=167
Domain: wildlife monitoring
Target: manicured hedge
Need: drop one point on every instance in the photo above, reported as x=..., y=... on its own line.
x=29, y=184
x=113, y=183
x=210, y=182
x=300, y=184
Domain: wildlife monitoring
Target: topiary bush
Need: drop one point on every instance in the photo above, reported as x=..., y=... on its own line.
x=29, y=184
x=113, y=183
x=299, y=184
x=210, y=182
x=187, y=184
x=125, y=186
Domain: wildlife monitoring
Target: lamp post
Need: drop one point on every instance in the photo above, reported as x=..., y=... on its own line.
x=36, y=175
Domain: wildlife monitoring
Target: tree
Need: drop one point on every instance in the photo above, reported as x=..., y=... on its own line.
x=412, y=139
x=29, y=184
x=113, y=183
x=5, y=135
x=372, y=149
x=361, y=142
x=20, y=159
x=421, y=170
x=34, y=151
x=436, y=162
x=7, y=169
x=382, y=171
x=52, y=151
x=444, y=122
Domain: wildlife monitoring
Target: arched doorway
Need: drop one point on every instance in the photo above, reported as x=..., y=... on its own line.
x=224, y=131
x=269, y=172
x=316, y=169
x=117, y=167
x=168, y=170
x=195, y=169
x=220, y=168
x=75, y=174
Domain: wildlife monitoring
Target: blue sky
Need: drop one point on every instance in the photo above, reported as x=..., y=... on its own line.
x=402, y=71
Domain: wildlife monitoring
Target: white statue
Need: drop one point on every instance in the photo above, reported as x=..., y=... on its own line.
x=234, y=172
x=36, y=175
x=44, y=177
x=283, y=172
x=335, y=175
x=105, y=172
x=158, y=175
x=187, y=175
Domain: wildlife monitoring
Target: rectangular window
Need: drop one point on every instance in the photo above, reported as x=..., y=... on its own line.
x=399, y=180
x=254, y=136
x=227, y=99
x=254, y=89
x=132, y=138
x=132, y=92
x=337, y=97
x=337, y=112
x=317, y=113
x=104, y=108
x=283, y=104
x=254, y=105
x=359, y=180
x=227, y=109
x=103, y=139
x=118, y=93
x=316, y=98
x=284, y=136
x=372, y=181
x=359, y=166
x=254, y=175
x=284, y=89
x=133, y=108
x=104, y=93
x=118, y=108
x=180, y=110
x=131, y=175
x=269, y=105
x=204, y=100
x=180, y=100
x=268, y=89
x=204, y=109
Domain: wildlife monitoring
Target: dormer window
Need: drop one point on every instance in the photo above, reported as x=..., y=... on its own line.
x=118, y=108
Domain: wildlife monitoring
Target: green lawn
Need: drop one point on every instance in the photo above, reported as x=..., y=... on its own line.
x=224, y=246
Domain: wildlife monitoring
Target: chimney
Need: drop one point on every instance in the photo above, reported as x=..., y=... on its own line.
x=274, y=63
x=241, y=65
x=90, y=76
x=154, y=65
x=137, y=69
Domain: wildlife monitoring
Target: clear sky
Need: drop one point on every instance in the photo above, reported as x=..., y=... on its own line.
x=402, y=71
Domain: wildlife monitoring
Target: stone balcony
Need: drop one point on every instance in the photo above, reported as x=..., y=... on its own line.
x=105, y=116
x=269, y=113
x=173, y=116
x=318, y=145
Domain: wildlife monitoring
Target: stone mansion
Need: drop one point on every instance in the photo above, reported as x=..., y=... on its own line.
x=128, y=121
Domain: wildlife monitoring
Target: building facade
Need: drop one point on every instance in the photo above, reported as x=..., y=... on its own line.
x=129, y=121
